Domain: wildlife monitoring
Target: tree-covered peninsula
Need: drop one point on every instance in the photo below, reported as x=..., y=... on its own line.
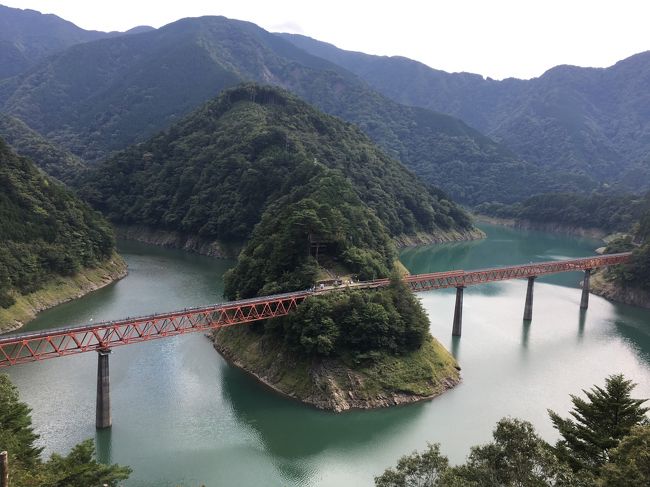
x=53, y=247
x=307, y=197
x=214, y=174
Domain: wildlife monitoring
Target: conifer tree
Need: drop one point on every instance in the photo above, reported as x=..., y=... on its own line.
x=599, y=423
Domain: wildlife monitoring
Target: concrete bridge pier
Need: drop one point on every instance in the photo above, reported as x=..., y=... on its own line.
x=458, y=313
x=103, y=409
x=584, y=302
x=528, y=307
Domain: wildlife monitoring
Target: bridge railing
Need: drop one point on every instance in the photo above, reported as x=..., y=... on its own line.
x=29, y=347
x=59, y=342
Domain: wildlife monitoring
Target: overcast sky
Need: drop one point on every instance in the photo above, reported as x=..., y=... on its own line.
x=497, y=38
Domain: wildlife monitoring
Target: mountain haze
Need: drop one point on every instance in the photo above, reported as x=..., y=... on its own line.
x=590, y=122
x=28, y=36
x=98, y=97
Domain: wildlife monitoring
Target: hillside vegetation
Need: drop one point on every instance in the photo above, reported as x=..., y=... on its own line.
x=51, y=158
x=607, y=212
x=213, y=173
x=345, y=350
x=28, y=36
x=46, y=231
x=591, y=123
x=98, y=97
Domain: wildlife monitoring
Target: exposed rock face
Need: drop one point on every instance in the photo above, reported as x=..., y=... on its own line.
x=602, y=284
x=594, y=233
x=427, y=239
x=176, y=240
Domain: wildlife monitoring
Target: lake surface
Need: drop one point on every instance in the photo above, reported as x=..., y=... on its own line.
x=183, y=416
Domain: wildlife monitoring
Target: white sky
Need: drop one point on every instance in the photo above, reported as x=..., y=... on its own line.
x=497, y=38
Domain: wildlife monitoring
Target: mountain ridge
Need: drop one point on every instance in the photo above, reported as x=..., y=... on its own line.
x=98, y=97
x=586, y=121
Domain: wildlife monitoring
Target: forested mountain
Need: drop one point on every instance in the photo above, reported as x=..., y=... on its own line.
x=98, y=97
x=27, y=37
x=53, y=159
x=587, y=121
x=258, y=151
x=45, y=231
x=215, y=171
x=607, y=212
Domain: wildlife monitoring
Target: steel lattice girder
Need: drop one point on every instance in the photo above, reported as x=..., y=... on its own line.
x=60, y=342
x=439, y=280
x=30, y=347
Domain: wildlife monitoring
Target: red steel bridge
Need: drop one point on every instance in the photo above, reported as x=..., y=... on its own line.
x=101, y=337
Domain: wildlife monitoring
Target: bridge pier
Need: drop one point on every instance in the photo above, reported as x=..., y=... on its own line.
x=584, y=301
x=458, y=313
x=528, y=307
x=103, y=409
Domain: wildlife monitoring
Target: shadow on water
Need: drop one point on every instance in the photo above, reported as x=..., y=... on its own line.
x=525, y=333
x=582, y=318
x=104, y=446
x=632, y=324
x=293, y=433
x=455, y=347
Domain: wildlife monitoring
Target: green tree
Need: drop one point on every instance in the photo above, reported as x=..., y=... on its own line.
x=77, y=469
x=16, y=433
x=599, y=423
x=629, y=462
x=516, y=457
x=416, y=470
x=80, y=469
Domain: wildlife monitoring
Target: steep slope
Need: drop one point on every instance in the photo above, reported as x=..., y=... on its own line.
x=53, y=159
x=99, y=97
x=46, y=233
x=607, y=213
x=215, y=172
x=27, y=37
x=590, y=122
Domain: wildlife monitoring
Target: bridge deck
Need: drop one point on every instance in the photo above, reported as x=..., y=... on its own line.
x=28, y=347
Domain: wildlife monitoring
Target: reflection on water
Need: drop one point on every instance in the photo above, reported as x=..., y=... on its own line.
x=182, y=416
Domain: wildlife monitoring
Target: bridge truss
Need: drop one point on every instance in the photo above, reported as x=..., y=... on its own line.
x=30, y=347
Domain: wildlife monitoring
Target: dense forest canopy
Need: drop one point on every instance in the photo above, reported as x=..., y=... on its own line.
x=46, y=230
x=53, y=159
x=215, y=172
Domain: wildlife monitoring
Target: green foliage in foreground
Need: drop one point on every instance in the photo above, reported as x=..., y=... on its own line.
x=598, y=423
x=607, y=445
x=361, y=323
x=26, y=469
x=45, y=230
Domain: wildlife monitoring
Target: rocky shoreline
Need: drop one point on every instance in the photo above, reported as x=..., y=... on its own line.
x=333, y=386
x=60, y=290
x=419, y=239
x=176, y=240
x=216, y=248
x=594, y=233
x=607, y=288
